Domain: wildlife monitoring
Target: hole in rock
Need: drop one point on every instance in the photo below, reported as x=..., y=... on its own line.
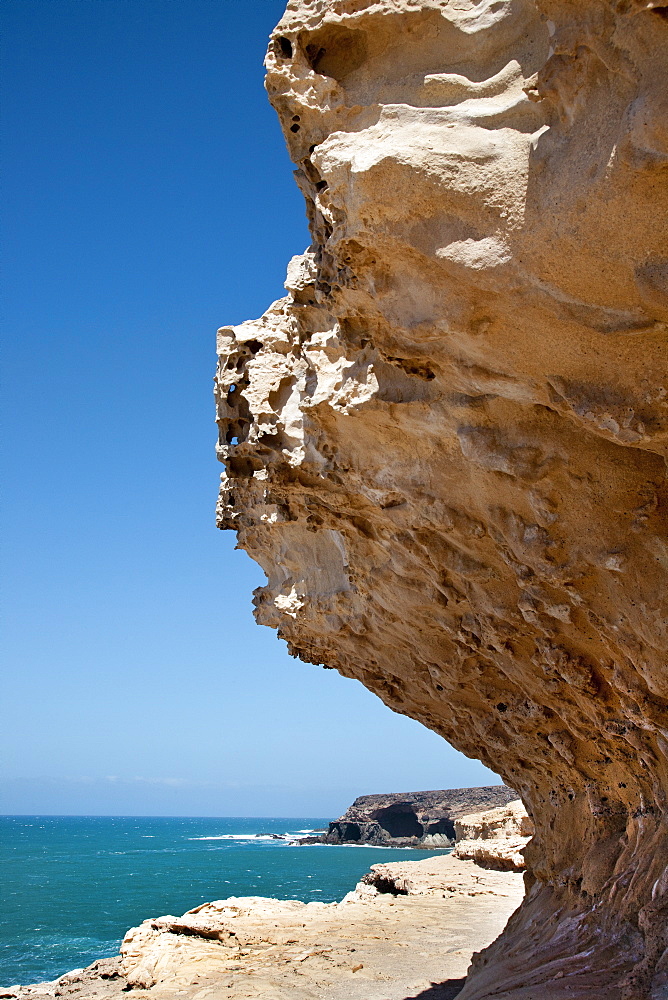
x=270, y=441
x=388, y=885
x=295, y=128
x=314, y=54
x=310, y=171
x=335, y=51
x=278, y=398
x=351, y=831
x=235, y=431
x=253, y=345
x=501, y=707
x=242, y=468
x=444, y=825
x=413, y=367
x=284, y=48
x=399, y=820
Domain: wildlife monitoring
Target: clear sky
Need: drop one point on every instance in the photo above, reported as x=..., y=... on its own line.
x=148, y=200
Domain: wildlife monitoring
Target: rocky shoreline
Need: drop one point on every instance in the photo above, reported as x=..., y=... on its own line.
x=412, y=819
x=377, y=944
x=408, y=929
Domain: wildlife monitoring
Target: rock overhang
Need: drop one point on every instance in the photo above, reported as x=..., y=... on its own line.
x=446, y=445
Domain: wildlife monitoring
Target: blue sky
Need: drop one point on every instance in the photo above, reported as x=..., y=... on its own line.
x=148, y=200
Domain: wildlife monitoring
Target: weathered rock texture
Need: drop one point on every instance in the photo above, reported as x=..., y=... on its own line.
x=495, y=838
x=511, y=820
x=412, y=819
x=446, y=445
x=376, y=943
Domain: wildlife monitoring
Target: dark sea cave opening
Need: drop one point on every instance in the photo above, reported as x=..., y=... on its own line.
x=399, y=820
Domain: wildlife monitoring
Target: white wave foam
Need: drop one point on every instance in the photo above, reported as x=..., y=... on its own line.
x=236, y=836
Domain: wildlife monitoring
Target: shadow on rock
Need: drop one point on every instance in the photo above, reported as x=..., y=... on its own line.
x=447, y=990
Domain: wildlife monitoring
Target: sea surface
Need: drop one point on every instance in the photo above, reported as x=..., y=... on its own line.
x=72, y=885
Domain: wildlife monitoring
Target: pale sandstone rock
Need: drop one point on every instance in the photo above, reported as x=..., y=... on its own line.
x=422, y=928
x=511, y=820
x=495, y=838
x=372, y=945
x=502, y=853
x=446, y=445
x=100, y=981
x=435, y=876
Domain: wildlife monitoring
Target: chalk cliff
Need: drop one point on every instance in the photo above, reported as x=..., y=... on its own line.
x=412, y=819
x=446, y=444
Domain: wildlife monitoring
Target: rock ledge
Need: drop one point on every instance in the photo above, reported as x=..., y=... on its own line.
x=405, y=927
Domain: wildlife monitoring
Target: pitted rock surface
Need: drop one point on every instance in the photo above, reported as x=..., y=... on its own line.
x=446, y=445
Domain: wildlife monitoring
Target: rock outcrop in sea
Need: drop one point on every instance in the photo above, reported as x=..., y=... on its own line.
x=412, y=819
x=446, y=445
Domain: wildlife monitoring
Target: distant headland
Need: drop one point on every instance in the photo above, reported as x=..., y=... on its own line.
x=412, y=819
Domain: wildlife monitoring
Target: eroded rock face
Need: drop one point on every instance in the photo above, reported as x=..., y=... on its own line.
x=412, y=819
x=495, y=838
x=446, y=445
x=511, y=820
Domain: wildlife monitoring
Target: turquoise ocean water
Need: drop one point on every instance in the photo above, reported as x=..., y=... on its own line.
x=71, y=886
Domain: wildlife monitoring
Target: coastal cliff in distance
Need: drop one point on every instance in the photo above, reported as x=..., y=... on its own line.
x=446, y=445
x=412, y=819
